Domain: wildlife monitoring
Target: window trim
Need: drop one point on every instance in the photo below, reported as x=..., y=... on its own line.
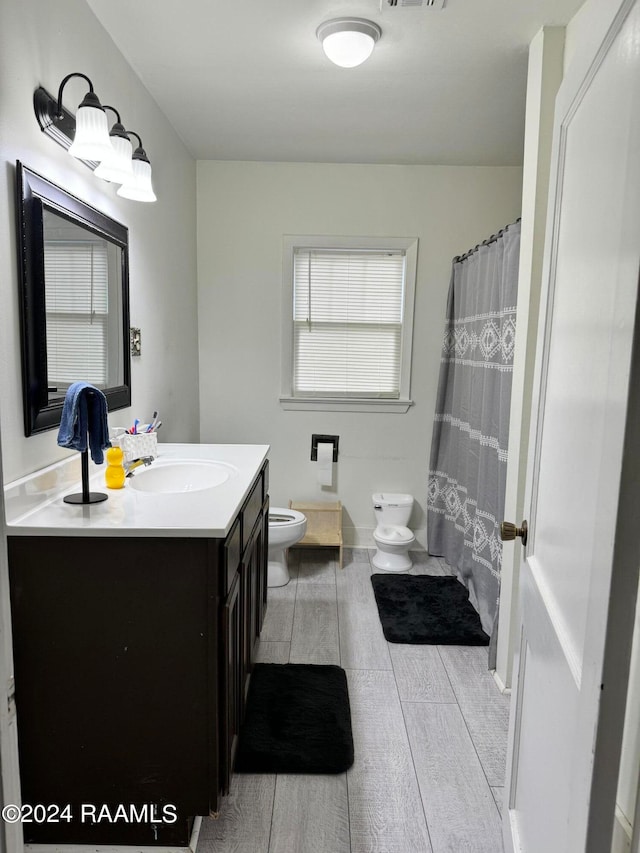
x=351, y=404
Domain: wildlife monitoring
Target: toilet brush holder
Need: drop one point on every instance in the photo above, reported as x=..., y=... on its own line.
x=85, y=497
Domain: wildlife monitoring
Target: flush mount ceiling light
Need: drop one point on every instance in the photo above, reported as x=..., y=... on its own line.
x=87, y=137
x=348, y=41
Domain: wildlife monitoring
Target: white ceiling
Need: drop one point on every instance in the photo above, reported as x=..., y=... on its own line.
x=247, y=79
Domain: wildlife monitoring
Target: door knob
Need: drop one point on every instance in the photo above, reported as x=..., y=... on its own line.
x=509, y=531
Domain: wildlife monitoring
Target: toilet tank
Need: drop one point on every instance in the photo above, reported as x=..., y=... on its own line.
x=392, y=508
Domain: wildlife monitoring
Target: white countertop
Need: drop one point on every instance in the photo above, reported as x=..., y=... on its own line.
x=34, y=504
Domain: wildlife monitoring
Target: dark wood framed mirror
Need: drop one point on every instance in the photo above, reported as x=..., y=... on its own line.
x=74, y=295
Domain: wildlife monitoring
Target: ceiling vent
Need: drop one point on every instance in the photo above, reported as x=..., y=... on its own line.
x=413, y=4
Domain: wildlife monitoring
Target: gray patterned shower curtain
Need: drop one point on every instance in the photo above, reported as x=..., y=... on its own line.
x=467, y=474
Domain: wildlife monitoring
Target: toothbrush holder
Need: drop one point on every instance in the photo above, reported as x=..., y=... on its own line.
x=136, y=446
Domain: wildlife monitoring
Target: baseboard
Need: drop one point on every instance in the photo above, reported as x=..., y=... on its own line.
x=195, y=833
x=621, y=841
x=511, y=833
x=622, y=833
x=117, y=848
x=499, y=682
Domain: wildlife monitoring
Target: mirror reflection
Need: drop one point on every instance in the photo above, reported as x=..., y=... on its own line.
x=83, y=304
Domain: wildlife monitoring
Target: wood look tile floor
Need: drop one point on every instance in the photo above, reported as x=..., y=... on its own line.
x=429, y=729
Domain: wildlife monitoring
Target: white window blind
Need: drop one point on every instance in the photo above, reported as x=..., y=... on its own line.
x=347, y=322
x=77, y=302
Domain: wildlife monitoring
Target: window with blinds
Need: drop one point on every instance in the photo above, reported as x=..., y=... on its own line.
x=348, y=313
x=77, y=303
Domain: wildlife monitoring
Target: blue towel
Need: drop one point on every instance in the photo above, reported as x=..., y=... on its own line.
x=84, y=414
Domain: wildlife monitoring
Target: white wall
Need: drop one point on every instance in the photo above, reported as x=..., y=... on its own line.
x=41, y=42
x=244, y=209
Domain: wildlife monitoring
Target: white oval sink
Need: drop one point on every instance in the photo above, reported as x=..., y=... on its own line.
x=175, y=476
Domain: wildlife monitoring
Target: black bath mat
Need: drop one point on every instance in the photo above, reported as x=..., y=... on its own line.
x=421, y=609
x=297, y=721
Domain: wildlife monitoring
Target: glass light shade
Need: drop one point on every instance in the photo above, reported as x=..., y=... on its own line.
x=91, y=141
x=139, y=188
x=348, y=42
x=348, y=49
x=117, y=167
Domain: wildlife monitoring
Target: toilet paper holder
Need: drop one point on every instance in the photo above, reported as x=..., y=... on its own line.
x=324, y=439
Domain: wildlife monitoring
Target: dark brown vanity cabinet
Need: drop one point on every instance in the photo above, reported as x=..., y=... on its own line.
x=130, y=665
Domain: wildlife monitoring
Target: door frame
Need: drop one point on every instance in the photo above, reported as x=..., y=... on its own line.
x=544, y=76
x=11, y=839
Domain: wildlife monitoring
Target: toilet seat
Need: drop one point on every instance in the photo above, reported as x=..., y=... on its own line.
x=392, y=534
x=280, y=517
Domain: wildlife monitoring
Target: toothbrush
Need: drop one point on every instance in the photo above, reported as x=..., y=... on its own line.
x=135, y=426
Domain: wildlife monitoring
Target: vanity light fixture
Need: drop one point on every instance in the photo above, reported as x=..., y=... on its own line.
x=86, y=136
x=91, y=131
x=348, y=42
x=138, y=187
x=117, y=166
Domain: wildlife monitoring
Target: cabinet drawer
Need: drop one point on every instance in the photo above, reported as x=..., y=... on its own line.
x=251, y=511
x=232, y=553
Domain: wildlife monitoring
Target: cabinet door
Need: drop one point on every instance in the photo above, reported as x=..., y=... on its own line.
x=259, y=578
x=232, y=678
x=254, y=570
x=261, y=569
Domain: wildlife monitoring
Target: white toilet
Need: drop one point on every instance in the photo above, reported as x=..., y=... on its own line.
x=392, y=536
x=286, y=527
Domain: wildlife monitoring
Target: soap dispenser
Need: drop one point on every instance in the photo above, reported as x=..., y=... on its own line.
x=115, y=474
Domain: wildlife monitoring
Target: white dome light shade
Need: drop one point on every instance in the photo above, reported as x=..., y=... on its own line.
x=117, y=167
x=348, y=42
x=139, y=189
x=348, y=49
x=91, y=140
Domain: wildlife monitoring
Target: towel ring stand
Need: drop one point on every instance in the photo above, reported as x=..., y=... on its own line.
x=85, y=497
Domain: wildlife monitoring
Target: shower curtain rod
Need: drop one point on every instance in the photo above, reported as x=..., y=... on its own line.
x=459, y=258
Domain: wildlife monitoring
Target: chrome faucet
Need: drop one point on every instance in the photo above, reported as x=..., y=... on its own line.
x=129, y=467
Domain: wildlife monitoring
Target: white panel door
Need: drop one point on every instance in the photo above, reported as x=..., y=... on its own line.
x=580, y=568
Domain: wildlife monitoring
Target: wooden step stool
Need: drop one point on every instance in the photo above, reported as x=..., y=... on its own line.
x=324, y=525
